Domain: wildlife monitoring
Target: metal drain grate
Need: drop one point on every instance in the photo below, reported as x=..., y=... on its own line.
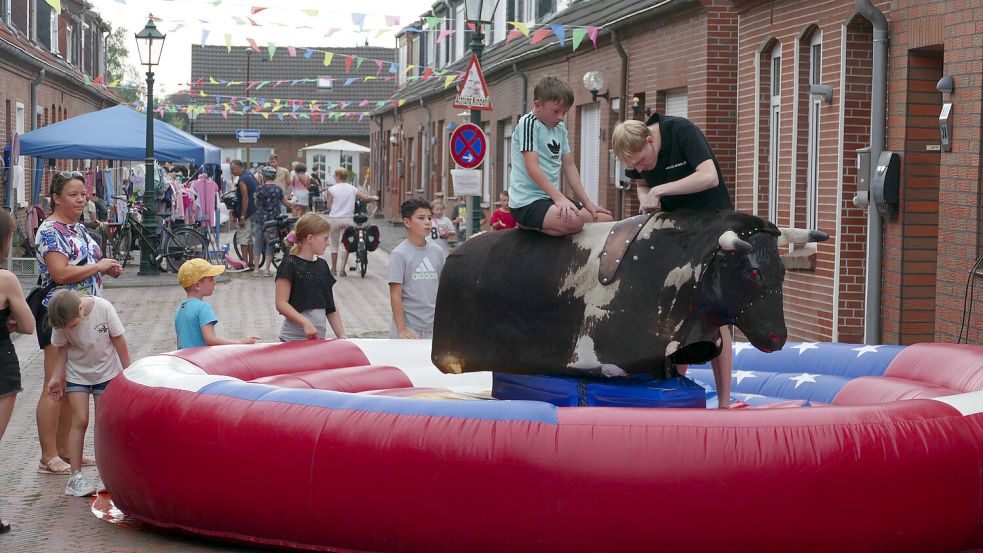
x=23, y=266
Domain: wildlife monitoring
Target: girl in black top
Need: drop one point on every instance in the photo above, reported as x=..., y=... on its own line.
x=304, y=282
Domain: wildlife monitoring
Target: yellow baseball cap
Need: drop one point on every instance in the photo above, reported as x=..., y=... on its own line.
x=196, y=269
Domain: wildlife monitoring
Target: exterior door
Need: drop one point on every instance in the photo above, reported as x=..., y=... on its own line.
x=590, y=156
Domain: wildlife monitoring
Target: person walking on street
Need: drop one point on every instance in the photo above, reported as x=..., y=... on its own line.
x=441, y=229
x=242, y=216
x=269, y=198
x=341, y=208
x=69, y=259
x=282, y=178
x=304, y=284
x=300, y=190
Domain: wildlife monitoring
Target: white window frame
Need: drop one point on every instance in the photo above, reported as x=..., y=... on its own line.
x=507, y=157
x=53, y=31
x=774, y=129
x=444, y=47
x=69, y=43
x=498, y=26
x=459, y=27
x=431, y=54
x=815, y=107
x=401, y=74
x=590, y=154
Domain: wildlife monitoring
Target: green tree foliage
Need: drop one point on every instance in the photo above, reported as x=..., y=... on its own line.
x=118, y=67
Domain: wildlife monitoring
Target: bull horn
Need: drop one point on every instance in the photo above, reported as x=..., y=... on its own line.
x=730, y=242
x=800, y=236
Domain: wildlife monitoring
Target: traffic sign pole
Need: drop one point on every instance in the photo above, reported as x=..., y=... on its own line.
x=477, y=46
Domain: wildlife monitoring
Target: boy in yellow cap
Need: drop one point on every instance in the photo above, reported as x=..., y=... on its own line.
x=195, y=320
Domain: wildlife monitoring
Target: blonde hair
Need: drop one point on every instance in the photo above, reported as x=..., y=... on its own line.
x=341, y=174
x=63, y=308
x=309, y=223
x=628, y=138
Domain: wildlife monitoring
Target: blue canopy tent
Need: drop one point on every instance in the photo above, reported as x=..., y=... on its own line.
x=116, y=133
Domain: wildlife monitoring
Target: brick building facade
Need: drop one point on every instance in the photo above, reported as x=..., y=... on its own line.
x=783, y=92
x=51, y=60
x=290, y=82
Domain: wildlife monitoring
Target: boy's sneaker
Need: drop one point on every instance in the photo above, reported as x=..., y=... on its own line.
x=79, y=486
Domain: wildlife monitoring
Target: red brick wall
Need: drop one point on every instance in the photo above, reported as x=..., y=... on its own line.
x=853, y=223
x=947, y=26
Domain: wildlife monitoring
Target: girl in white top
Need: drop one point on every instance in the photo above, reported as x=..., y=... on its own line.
x=91, y=352
x=300, y=190
x=341, y=205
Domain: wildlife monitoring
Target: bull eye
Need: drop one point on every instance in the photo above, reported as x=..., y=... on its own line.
x=755, y=274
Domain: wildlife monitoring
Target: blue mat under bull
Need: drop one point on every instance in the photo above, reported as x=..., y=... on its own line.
x=636, y=391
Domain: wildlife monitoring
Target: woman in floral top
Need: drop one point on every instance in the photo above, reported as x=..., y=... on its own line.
x=269, y=196
x=70, y=258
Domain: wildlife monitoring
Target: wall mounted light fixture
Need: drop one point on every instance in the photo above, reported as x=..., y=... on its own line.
x=594, y=82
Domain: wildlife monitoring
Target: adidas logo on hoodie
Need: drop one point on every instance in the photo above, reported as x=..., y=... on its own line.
x=425, y=271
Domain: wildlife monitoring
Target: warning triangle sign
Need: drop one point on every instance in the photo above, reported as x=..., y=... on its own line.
x=473, y=93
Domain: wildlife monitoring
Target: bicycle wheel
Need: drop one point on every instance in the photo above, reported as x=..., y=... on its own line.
x=362, y=260
x=277, y=250
x=181, y=245
x=258, y=259
x=120, y=244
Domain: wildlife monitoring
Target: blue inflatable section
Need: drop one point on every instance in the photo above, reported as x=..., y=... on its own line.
x=636, y=391
x=483, y=410
x=807, y=371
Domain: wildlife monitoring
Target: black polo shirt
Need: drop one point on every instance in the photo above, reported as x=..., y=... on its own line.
x=684, y=147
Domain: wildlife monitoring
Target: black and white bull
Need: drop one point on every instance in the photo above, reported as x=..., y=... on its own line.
x=522, y=302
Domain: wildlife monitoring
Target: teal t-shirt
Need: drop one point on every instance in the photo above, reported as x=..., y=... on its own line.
x=531, y=135
x=191, y=315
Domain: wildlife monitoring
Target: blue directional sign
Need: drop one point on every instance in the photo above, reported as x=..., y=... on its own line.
x=468, y=145
x=247, y=135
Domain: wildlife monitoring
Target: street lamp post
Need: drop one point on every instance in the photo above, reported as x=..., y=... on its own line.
x=478, y=12
x=150, y=43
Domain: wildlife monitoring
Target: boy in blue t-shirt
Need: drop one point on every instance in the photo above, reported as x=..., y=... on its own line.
x=195, y=321
x=540, y=151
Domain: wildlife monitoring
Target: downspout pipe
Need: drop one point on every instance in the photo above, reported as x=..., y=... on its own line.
x=38, y=163
x=622, y=116
x=426, y=148
x=875, y=230
x=523, y=100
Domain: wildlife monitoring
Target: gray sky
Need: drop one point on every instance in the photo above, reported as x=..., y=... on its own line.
x=283, y=23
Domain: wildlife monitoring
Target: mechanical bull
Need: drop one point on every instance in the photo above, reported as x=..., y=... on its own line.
x=624, y=297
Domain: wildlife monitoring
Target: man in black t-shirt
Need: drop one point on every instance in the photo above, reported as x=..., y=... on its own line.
x=674, y=167
x=672, y=164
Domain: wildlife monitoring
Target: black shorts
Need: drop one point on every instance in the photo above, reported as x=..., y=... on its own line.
x=532, y=215
x=43, y=328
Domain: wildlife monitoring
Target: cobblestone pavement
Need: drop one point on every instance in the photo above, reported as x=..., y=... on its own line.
x=43, y=518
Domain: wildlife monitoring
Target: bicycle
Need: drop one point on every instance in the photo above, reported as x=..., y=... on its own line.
x=279, y=228
x=362, y=238
x=177, y=245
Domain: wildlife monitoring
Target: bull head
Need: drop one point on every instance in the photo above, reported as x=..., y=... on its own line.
x=746, y=279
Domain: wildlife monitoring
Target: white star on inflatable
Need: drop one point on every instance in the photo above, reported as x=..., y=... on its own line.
x=804, y=346
x=865, y=349
x=749, y=396
x=741, y=375
x=741, y=346
x=804, y=377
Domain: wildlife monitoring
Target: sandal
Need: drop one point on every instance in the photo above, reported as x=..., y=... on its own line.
x=54, y=465
x=4, y=526
x=86, y=461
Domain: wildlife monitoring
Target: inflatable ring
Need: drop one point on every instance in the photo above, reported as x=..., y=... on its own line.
x=316, y=445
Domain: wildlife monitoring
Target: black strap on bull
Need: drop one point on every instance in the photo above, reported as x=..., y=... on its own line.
x=616, y=245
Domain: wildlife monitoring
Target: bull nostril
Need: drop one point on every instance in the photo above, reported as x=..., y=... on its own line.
x=773, y=337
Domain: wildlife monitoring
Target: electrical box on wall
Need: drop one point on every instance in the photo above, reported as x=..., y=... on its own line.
x=945, y=127
x=862, y=199
x=885, y=183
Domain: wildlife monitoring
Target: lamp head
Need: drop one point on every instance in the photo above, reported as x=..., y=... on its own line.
x=594, y=82
x=150, y=43
x=481, y=11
